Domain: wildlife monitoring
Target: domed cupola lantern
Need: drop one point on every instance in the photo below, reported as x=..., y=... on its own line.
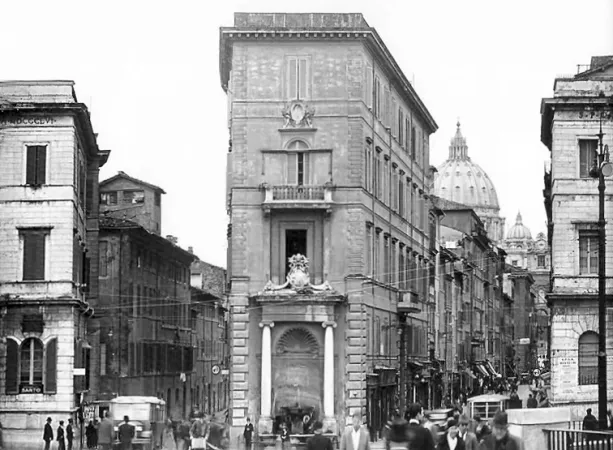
x=461, y=180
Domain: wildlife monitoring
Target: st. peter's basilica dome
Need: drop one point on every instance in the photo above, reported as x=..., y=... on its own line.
x=519, y=231
x=461, y=180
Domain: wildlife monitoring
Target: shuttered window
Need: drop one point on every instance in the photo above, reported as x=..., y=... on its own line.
x=51, y=367
x=34, y=253
x=588, y=251
x=36, y=164
x=298, y=78
x=12, y=366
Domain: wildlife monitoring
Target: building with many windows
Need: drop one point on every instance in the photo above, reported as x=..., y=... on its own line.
x=143, y=327
x=328, y=175
x=571, y=121
x=49, y=163
x=210, y=331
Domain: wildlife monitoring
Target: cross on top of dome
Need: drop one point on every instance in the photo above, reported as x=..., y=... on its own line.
x=458, y=148
x=518, y=219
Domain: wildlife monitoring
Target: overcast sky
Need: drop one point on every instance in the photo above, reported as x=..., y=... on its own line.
x=149, y=73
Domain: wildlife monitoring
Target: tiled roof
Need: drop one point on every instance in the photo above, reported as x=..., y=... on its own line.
x=124, y=175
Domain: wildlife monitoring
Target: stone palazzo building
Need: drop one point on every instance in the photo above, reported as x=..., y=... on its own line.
x=570, y=124
x=49, y=163
x=329, y=229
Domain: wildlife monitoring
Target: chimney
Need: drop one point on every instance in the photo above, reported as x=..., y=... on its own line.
x=172, y=239
x=190, y=249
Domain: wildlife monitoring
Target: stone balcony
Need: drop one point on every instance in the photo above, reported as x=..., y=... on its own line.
x=409, y=302
x=297, y=196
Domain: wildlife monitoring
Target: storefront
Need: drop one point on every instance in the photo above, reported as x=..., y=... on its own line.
x=381, y=399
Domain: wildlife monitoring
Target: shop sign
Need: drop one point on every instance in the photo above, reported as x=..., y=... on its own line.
x=30, y=388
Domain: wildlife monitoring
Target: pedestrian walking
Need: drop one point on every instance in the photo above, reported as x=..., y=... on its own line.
x=397, y=438
x=106, y=433
x=318, y=441
x=248, y=434
x=126, y=434
x=61, y=436
x=355, y=437
x=199, y=433
x=182, y=434
x=90, y=435
x=451, y=440
x=168, y=437
x=469, y=438
x=500, y=437
x=419, y=438
x=69, y=434
x=48, y=434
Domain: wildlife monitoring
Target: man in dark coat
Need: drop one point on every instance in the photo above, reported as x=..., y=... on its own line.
x=126, y=434
x=248, y=434
x=418, y=436
x=319, y=441
x=48, y=434
x=60, y=437
x=500, y=437
x=69, y=434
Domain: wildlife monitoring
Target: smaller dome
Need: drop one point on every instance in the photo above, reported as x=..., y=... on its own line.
x=519, y=231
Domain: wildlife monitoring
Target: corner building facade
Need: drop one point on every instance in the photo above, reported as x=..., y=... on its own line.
x=49, y=163
x=328, y=165
x=570, y=124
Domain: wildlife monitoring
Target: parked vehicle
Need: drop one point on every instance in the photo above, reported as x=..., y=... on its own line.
x=485, y=406
x=147, y=415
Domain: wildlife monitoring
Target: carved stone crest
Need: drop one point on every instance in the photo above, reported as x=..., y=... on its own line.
x=298, y=114
x=298, y=279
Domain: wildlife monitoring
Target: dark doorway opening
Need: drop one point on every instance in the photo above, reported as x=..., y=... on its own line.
x=295, y=242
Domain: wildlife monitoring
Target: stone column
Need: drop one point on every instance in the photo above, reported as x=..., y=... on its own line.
x=265, y=425
x=329, y=421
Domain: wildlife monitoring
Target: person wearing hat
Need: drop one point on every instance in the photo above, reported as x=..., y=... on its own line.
x=69, y=434
x=500, y=437
x=318, y=441
x=48, y=434
x=469, y=438
x=451, y=440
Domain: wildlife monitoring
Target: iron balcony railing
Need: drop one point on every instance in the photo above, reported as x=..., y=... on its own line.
x=299, y=192
x=569, y=439
x=301, y=196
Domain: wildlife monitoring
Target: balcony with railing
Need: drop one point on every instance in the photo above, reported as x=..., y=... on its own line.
x=297, y=196
x=408, y=302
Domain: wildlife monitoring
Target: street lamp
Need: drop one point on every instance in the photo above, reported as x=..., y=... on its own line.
x=603, y=169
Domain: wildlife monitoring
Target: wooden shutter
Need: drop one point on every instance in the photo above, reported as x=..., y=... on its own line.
x=369, y=93
x=303, y=78
x=292, y=166
x=31, y=165
x=41, y=164
x=292, y=82
x=33, y=255
x=12, y=366
x=51, y=367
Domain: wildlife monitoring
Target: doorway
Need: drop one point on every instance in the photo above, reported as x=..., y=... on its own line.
x=295, y=242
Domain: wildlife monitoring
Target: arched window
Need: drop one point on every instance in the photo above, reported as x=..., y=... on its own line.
x=31, y=362
x=377, y=336
x=588, y=358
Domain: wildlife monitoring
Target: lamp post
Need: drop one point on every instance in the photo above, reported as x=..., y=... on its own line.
x=603, y=169
x=402, y=320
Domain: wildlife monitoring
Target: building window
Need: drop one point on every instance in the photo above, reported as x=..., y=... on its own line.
x=540, y=261
x=298, y=78
x=33, y=253
x=413, y=150
x=400, y=126
x=368, y=168
x=401, y=199
x=36, y=164
x=377, y=249
x=377, y=98
x=158, y=199
x=368, y=87
x=368, y=245
x=588, y=358
x=108, y=198
x=588, y=251
x=386, y=259
x=295, y=243
x=133, y=197
x=587, y=156
x=31, y=362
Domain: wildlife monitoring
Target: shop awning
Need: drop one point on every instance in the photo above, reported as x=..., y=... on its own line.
x=470, y=373
x=491, y=369
x=482, y=369
x=415, y=364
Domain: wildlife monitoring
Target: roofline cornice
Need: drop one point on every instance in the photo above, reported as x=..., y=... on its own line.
x=373, y=41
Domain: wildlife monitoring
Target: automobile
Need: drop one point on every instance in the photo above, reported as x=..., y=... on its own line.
x=439, y=417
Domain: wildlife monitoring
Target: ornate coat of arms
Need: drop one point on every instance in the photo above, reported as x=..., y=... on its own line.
x=298, y=114
x=298, y=279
